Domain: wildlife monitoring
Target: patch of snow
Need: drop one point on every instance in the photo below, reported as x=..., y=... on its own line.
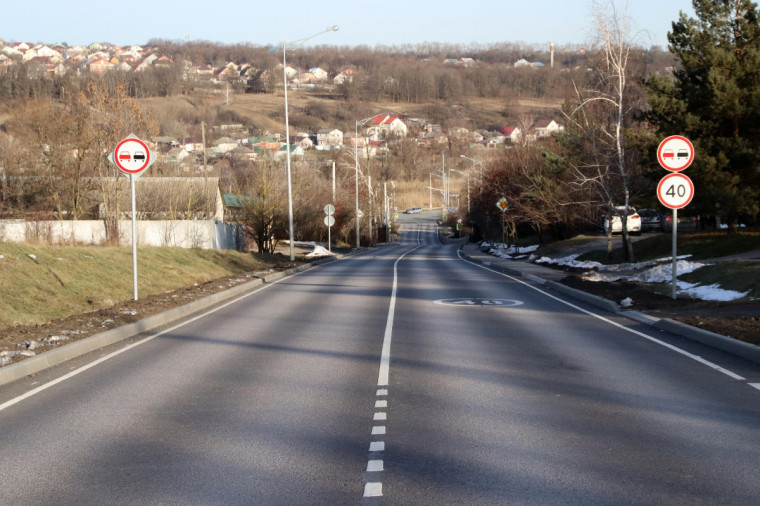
x=627, y=302
x=319, y=251
x=710, y=292
x=55, y=339
x=33, y=257
x=6, y=357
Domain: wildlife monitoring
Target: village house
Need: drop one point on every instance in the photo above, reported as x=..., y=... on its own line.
x=384, y=125
x=329, y=137
x=546, y=127
x=512, y=133
x=346, y=75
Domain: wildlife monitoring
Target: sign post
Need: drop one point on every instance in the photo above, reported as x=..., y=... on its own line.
x=503, y=205
x=329, y=221
x=132, y=156
x=675, y=190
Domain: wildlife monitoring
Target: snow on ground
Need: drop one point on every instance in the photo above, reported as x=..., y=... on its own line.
x=652, y=271
x=317, y=250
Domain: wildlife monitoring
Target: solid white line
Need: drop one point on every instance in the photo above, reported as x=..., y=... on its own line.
x=82, y=369
x=755, y=385
x=378, y=430
x=381, y=404
x=385, y=357
x=623, y=327
x=373, y=490
x=374, y=466
x=377, y=446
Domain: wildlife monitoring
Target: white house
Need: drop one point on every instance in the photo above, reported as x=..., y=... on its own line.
x=329, y=137
x=318, y=73
x=546, y=127
x=384, y=125
x=346, y=75
x=513, y=133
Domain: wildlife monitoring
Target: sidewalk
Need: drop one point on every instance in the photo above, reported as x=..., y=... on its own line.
x=550, y=278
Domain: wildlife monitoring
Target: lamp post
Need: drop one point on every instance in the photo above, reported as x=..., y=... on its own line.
x=468, y=186
x=287, y=128
x=474, y=163
x=356, y=167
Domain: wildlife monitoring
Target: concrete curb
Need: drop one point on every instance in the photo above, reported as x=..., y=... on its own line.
x=736, y=347
x=56, y=356
x=594, y=300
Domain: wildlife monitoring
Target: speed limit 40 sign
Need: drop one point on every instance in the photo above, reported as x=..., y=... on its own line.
x=675, y=191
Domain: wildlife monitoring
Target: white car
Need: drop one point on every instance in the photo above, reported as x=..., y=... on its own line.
x=413, y=210
x=633, y=222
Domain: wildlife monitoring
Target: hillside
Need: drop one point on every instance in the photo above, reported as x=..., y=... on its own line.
x=311, y=111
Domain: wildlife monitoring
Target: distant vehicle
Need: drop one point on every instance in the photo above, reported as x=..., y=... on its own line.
x=124, y=156
x=413, y=210
x=633, y=221
x=684, y=223
x=651, y=219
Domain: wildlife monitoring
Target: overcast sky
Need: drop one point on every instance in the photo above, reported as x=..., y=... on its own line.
x=389, y=22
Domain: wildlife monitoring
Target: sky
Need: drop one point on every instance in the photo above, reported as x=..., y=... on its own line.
x=387, y=23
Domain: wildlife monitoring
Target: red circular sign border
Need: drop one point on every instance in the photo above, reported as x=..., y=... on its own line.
x=676, y=174
x=147, y=155
x=659, y=152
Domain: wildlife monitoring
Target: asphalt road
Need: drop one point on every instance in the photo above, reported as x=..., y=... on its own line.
x=402, y=376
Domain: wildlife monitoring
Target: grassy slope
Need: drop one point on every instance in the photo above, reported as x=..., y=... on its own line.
x=64, y=280
x=739, y=275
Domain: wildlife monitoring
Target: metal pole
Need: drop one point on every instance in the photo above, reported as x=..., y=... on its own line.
x=134, y=235
x=333, y=182
x=430, y=188
x=287, y=149
x=675, y=242
x=356, y=161
x=385, y=209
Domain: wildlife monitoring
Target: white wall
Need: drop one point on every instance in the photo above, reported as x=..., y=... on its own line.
x=205, y=234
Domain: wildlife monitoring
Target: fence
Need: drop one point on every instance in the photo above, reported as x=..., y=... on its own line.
x=205, y=234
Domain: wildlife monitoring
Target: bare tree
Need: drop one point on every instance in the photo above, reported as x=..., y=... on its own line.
x=604, y=109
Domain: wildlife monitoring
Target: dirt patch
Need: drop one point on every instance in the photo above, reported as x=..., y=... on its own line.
x=739, y=319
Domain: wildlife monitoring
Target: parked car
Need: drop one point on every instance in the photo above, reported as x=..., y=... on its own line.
x=684, y=222
x=651, y=219
x=633, y=221
x=413, y=210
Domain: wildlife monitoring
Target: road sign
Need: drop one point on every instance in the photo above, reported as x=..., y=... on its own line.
x=329, y=209
x=329, y=221
x=502, y=204
x=132, y=156
x=359, y=213
x=675, y=191
x=675, y=153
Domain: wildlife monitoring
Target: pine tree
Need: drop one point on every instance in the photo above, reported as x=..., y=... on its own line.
x=714, y=100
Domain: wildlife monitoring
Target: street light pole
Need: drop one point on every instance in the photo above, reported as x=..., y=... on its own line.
x=356, y=168
x=468, y=186
x=474, y=163
x=287, y=129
